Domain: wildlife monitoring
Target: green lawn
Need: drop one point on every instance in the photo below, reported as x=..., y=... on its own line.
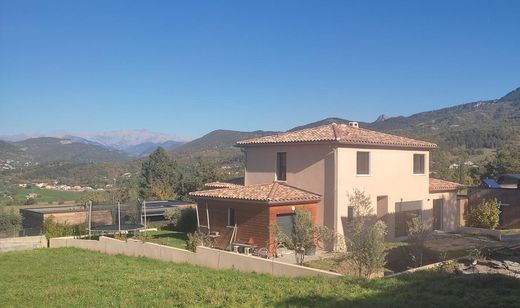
x=166, y=237
x=70, y=277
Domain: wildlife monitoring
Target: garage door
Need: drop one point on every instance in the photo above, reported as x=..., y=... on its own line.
x=406, y=211
x=285, y=223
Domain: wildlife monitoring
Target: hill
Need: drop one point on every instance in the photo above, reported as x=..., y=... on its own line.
x=47, y=149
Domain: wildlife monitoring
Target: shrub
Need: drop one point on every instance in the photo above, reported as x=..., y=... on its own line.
x=173, y=216
x=329, y=239
x=196, y=239
x=484, y=215
x=10, y=220
x=55, y=229
x=188, y=220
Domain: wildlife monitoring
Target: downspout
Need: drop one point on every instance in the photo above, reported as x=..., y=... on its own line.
x=336, y=189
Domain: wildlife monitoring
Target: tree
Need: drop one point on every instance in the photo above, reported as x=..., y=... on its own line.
x=10, y=220
x=366, y=239
x=484, y=215
x=506, y=160
x=97, y=197
x=303, y=236
x=196, y=175
x=159, y=177
x=419, y=232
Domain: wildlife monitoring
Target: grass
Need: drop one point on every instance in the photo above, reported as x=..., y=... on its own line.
x=74, y=277
x=168, y=238
x=44, y=195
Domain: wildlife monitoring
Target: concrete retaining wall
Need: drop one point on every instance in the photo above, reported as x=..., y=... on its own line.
x=207, y=257
x=22, y=243
x=496, y=234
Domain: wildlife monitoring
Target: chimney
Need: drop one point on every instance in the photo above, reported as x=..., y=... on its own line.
x=353, y=124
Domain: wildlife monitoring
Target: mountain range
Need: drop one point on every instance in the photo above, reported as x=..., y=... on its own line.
x=131, y=143
x=475, y=126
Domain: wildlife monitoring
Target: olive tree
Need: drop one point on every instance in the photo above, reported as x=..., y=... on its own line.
x=365, y=238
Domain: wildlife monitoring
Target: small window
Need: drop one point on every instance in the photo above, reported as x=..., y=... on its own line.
x=418, y=164
x=231, y=217
x=350, y=213
x=363, y=163
x=281, y=166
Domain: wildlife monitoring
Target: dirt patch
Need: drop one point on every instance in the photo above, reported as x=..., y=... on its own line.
x=461, y=242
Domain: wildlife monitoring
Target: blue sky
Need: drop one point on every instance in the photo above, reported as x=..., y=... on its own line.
x=190, y=67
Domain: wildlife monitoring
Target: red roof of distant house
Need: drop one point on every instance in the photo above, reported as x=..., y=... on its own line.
x=341, y=134
x=271, y=193
x=437, y=185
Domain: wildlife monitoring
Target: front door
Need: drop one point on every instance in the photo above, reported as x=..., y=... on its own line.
x=437, y=214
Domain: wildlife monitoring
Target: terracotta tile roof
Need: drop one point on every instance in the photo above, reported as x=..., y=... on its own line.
x=339, y=133
x=267, y=193
x=214, y=185
x=437, y=185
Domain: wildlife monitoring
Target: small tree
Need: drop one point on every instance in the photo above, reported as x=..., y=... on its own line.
x=330, y=239
x=484, y=215
x=303, y=236
x=173, y=216
x=366, y=239
x=419, y=232
x=10, y=220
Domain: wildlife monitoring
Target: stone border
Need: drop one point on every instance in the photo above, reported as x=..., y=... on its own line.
x=207, y=257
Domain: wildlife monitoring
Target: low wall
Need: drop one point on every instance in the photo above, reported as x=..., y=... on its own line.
x=208, y=257
x=496, y=234
x=22, y=243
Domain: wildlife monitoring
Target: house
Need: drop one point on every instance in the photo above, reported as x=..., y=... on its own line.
x=251, y=210
x=333, y=160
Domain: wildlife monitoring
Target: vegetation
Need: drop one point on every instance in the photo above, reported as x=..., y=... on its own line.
x=419, y=231
x=10, y=220
x=484, y=215
x=52, y=229
x=182, y=219
x=366, y=240
x=11, y=194
x=107, y=280
x=164, y=237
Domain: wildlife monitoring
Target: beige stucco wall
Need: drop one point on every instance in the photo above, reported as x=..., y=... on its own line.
x=312, y=167
x=309, y=167
x=391, y=174
x=450, y=209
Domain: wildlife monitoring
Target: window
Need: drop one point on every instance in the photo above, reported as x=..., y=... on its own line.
x=231, y=217
x=281, y=166
x=363, y=163
x=418, y=164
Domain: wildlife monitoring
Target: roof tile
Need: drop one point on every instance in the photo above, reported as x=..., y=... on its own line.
x=275, y=192
x=339, y=133
x=437, y=185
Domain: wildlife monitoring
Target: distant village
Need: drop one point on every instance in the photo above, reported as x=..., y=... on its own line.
x=56, y=186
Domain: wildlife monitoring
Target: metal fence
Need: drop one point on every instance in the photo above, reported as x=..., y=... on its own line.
x=21, y=232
